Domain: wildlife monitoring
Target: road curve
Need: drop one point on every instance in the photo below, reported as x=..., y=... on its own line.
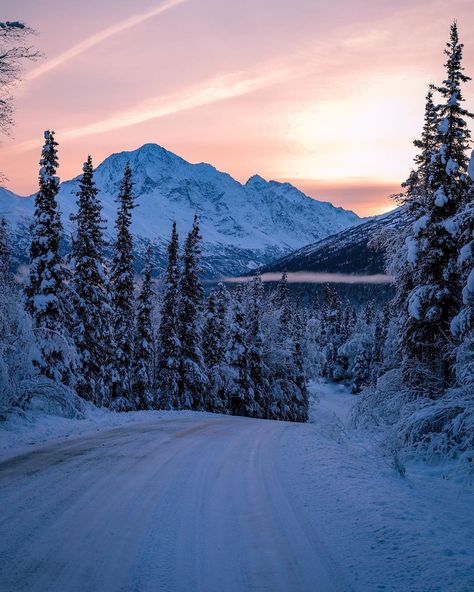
x=198, y=504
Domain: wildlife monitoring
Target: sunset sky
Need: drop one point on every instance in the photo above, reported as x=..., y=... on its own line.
x=326, y=95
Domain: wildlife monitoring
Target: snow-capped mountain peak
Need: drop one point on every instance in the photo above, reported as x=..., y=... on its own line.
x=242, y=226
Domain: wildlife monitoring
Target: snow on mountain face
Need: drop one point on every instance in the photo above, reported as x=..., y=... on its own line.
x=243, y=226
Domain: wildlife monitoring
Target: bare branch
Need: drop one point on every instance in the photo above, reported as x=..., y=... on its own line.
x=13, y=54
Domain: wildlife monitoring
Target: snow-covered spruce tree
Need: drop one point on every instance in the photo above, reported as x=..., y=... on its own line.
x=193, y=378
x=462, y=325
x=122, y=285
x=168, y=370
x=210, y=349
x=214, y=344
x=402, y=246
x=222, y=313
x=331, y=331
x=4, y=253
x=382, y=322
x=361, y=370
x=284, y=398
x=300, y=398
x=91, y=318
x=283, y=301
x=143, y=346
x=418, y=184
x=46, y=285
x=435, y=298
x=258, y=369
x=239, y=384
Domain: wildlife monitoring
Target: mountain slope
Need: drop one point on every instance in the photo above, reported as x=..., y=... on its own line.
x=243, y=226
x=348, y=251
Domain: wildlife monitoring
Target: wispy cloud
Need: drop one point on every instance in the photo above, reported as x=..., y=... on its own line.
x=211, y=91
x=308, y=277
x=97, y=38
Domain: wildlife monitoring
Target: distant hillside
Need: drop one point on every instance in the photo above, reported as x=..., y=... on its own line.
x=347, y=251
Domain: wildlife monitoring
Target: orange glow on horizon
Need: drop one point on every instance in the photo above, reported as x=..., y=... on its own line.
x=327, y=96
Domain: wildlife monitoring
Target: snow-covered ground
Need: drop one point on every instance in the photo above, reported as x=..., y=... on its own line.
x=394, y=534
x=23, y=433
x=189, y=501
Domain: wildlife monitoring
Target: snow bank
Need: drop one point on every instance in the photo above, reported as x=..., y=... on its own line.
x=43, y=422
x=395, y=533
x=413, y=429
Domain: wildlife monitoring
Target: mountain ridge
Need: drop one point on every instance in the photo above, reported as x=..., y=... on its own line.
x=243, y=225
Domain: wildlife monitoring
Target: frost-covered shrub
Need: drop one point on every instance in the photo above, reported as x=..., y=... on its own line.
x=21, y=383
x=381, y=405
x=45, y=396
x=286, y=401
x=437, y=430
x=419, y=428
x=352, y=347
x=19, y=352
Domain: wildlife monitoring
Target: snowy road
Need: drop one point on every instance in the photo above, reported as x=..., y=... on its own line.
x=184, y=504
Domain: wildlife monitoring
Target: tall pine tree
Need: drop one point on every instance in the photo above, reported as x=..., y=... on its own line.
x=193, y=379
x=92, y=312
x=298, y=375
x=239, y=389
x=143, y=347
x=434, y=300
x=258, y=369
x=168, y=372
x=45, y=290
x=213, y=346
x=122, y=286
x=462, y=325
x=415, y=200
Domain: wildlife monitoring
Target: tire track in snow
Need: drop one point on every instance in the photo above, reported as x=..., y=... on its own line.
x=193, y=503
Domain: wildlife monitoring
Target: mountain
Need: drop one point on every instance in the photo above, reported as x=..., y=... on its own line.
x=348, y=251
x=243, y=226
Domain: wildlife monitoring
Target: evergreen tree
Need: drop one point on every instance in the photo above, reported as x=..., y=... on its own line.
x=193, y=380
x=5, y=279
x=209, y=350
x=4, y=253
x=284, y=301
x=380, y=335
x=434, y=300
x=91, y=324
x=143, y=346
x=416, y=200
x=462, y=325
x=361, y=370
x=240, y=390
x=214, y=349
x=45, y=299
x=258, y=370
x=418, y=185
x=122, y=286
x=301, y=404
x=331, y=329
x=168, y=378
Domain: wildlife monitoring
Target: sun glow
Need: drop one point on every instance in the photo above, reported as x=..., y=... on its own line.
x=347, y=138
